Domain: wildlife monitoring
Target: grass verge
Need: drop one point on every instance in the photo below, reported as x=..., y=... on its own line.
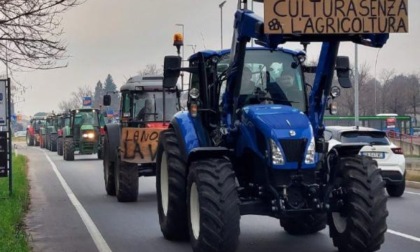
x=13, y=208
x=413, y=175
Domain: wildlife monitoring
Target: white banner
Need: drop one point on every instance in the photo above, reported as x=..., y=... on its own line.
x=3, y=102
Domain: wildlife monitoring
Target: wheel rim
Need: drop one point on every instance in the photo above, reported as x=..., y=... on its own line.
x=194, y=211
x=164, y=183
x=340, y=222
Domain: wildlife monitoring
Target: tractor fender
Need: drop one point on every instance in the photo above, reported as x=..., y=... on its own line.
x=190, y=133
x=113, y=132
x=208, y=152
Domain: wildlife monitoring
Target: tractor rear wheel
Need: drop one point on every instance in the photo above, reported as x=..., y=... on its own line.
x=29, y=140
x=60, y=146
x=357, y=220
x=126, y=181
x=304, y=224
x=68, y=149
x=109, y=170
x=53, y=144
x=171, y=184
x=213, y=201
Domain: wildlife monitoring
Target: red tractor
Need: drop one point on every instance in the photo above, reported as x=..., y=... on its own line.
x=33, y=136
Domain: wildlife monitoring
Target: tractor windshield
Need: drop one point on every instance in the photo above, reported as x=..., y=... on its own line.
x=272, y=74
x=148, y=106
x=86, y=118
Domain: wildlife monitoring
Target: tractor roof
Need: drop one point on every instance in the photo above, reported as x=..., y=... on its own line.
x=210, y=53
x=143, y=83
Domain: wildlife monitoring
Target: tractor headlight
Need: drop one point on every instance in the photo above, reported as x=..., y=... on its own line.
x=310, y=152
x=276, y=154
x=89, y=135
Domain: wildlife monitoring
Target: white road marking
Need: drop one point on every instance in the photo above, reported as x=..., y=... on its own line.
x=412, y=193
x=90, y=225
x=417, y=239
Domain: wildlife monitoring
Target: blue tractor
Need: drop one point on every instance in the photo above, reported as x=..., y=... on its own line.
x=251, y=142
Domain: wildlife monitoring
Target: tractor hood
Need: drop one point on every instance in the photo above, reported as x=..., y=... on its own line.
x=278, y=121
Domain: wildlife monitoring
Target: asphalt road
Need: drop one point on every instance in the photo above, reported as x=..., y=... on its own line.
x=70, y=211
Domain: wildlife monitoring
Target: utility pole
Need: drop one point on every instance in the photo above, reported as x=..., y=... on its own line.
x=221, y=23
x=356, y=88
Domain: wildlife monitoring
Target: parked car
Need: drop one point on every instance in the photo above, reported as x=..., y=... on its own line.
x=390, y=158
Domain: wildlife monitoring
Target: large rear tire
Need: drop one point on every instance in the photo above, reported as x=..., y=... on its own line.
x=213, y=201
x=304, y=224
x=171, y=185
x=60, y=146
x=109, y=170
x=29, y=140
x=126, y=181
x=358, y=219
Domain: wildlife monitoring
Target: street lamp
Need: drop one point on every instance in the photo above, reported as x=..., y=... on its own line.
x=221, y=23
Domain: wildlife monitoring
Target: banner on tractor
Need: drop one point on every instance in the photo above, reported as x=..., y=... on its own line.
x=139, y=145
x=3, y=102
x=335, y=16
x=3, y=154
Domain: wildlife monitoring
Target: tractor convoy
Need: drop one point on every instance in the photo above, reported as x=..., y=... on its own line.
x=251, y=138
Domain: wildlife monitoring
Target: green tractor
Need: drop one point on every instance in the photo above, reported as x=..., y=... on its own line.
x=44, y=130
x=51, y=132
x=83, y=134
x=63, y=121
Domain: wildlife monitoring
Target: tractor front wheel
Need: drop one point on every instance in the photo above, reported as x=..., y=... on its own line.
x=357, y=220
x=213, y=201
x=68, y=149
x=171, y=184
x=126, y=181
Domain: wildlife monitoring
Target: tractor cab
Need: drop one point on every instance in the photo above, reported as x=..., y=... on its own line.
x=144, y=104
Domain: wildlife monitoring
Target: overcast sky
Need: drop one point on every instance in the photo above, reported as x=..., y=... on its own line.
x=121, y=37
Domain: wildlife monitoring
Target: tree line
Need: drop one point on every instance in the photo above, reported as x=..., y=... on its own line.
x=389, y=93
x=97, y=93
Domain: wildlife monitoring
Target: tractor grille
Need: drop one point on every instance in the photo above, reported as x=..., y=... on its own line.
x=293, y=149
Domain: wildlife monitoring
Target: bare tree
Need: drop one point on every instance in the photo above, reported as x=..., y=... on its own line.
x=151, y=69
x=76, y=100
x=30, y=33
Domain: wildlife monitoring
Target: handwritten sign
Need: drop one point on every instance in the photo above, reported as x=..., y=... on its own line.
x=139, y=145
x=335, y=16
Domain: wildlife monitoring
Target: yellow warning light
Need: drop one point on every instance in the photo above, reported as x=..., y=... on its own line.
x=178, y=39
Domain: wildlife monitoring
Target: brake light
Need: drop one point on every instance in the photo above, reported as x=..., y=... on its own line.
x=102, y=131
x=397, y=150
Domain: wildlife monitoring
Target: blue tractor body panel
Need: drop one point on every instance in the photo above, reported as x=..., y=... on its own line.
x=191, y=130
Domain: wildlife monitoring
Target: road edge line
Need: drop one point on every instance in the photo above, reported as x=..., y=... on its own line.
x=403, y=235
x=97, y=237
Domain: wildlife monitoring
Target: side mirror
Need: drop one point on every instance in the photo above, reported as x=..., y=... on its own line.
x=342, y=65
x=107, y=100
x=171, y=71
